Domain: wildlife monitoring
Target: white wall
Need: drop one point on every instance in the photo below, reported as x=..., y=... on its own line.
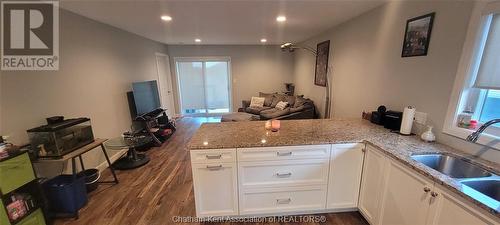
x=254, y=68
x=368, y=70
x=98, y=63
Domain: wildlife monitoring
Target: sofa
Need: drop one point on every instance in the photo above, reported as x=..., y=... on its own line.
x=298, y=107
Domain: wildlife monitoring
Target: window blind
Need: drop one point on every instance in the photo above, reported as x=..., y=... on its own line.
x=488, y=76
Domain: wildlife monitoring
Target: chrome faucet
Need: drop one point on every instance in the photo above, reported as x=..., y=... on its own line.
x=474, y=136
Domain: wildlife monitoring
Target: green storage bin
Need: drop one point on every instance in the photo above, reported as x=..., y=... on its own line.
x=15, y=173
x=3, y=215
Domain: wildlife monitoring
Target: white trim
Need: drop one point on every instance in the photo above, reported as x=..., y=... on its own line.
x=160, y=54
x=164, y=100
x=203, y=58
x=119, y=153
x=465, y=74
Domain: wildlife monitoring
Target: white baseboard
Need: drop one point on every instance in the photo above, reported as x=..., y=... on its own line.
x=117, y=155
x=296, y=213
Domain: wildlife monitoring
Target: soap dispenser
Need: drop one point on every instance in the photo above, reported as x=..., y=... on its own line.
x=428, y=136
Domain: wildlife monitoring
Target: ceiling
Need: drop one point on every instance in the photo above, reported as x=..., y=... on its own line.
x=235, y=22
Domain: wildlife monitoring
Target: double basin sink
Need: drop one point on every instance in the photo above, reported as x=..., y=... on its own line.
x=474, y=177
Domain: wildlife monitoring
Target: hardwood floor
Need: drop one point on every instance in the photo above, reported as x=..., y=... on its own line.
x=162, y=189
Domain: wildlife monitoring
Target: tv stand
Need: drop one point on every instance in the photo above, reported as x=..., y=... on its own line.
x=155, y=124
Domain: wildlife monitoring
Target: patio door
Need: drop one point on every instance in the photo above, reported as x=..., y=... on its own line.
x=204, y=85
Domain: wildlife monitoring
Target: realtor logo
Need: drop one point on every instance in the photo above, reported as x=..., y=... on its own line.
x=30, y=35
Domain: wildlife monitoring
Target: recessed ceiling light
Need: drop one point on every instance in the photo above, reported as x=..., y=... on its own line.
x=281, y=18
x=197, y=40
x=263, y=40
x=166, y=18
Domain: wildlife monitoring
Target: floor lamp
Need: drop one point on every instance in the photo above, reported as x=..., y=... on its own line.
x=290, y=47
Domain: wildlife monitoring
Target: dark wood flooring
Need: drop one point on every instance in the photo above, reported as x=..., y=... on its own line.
x=162, y=189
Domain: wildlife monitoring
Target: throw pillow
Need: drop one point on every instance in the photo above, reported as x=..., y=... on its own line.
x=299, y=101
x=269, y=98
x=281, y=105
x=257, y=102
x=290, y=100
x=277, y=98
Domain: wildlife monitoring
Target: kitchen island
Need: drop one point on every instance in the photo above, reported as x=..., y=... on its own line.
x=308, y=166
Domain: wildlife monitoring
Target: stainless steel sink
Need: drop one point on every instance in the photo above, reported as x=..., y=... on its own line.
x=451, y=166
x=490, y=188
x=477, y=182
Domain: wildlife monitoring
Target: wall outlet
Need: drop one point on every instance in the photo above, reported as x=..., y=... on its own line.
x=420, y=117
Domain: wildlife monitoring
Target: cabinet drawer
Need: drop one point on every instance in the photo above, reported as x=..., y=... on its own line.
x=15, y=172
x=213, y=155
x=35, y=218
x=278, y=200
x=284, y=153
x=283, y=173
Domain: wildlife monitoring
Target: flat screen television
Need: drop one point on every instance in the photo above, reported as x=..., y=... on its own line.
x=145, y=96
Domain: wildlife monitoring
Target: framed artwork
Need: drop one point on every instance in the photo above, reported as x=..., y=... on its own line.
x=417, y=35
x=320, y=74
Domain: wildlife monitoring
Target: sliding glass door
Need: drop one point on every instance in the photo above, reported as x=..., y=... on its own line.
x=204, y=86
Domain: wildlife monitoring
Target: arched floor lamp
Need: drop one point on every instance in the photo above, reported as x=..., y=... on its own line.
x=290, y=47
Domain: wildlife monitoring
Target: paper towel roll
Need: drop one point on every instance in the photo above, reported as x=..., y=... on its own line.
x=407, y=121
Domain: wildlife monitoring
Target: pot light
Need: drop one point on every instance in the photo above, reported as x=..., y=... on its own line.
x=166, y=18
x=197, y=40
x=263, y=40
x=281, y=18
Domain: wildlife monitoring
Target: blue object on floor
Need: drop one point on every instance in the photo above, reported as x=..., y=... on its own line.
x=66, y=194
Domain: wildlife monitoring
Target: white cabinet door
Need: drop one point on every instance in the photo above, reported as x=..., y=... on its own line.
x=346, y=164
x=215, y=189
x=449, y=209
x=406, y=196
x=372, y=184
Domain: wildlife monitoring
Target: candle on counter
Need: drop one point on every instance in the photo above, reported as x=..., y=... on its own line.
x=268, y=125
x=275, y=125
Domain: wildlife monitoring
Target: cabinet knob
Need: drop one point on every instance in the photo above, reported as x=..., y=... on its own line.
x=426, y=189
x=434, y=194
x=363, y=149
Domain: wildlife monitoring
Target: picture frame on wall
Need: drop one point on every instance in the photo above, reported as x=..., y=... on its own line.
x=321, y=70
x=417, y=35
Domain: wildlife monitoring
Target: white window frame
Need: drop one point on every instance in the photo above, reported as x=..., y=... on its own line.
x=467, y=71
x=205, y=59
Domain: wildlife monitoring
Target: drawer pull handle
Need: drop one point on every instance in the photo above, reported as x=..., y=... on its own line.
x=281, y=175
x=214, y=167
x=213, y=156
x=283, y=201
x=284, y=154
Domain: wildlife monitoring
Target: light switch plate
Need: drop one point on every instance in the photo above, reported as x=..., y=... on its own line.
x=420, y=117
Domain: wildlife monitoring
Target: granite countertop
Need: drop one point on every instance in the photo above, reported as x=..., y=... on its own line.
x=335, y=131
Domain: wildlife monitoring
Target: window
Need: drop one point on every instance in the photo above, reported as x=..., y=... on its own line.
x=484, y=100
x=491, y=107
x=476, y=93
x=204, y=85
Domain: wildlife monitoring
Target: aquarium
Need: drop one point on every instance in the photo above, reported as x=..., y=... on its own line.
x=56, y=140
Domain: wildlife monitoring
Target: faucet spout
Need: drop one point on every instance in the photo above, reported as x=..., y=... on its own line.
x=475, y=135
